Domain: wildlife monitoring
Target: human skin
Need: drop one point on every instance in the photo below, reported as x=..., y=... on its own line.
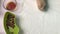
x=41, y=4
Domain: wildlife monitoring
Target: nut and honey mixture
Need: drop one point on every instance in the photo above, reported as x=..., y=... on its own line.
x=10, y=21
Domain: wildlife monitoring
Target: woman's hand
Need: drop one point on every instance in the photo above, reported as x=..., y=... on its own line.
x=41, y=4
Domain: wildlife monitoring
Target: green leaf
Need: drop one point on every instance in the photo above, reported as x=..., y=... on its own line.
x=15, y=30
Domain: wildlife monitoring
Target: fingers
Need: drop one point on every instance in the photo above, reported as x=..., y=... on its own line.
x=41, y=4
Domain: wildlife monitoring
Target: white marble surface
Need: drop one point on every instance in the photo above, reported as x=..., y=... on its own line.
x=34, y=21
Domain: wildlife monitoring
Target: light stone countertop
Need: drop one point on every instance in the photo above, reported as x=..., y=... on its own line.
x=34, y=21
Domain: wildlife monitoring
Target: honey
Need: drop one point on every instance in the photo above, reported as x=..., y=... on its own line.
x=11, y=6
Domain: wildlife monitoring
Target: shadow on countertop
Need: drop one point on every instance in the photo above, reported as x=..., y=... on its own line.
x=0, y=2
x=0, y=5
x=47, y=6
x=2, y=33
x=1, y=10
x=18, y=22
